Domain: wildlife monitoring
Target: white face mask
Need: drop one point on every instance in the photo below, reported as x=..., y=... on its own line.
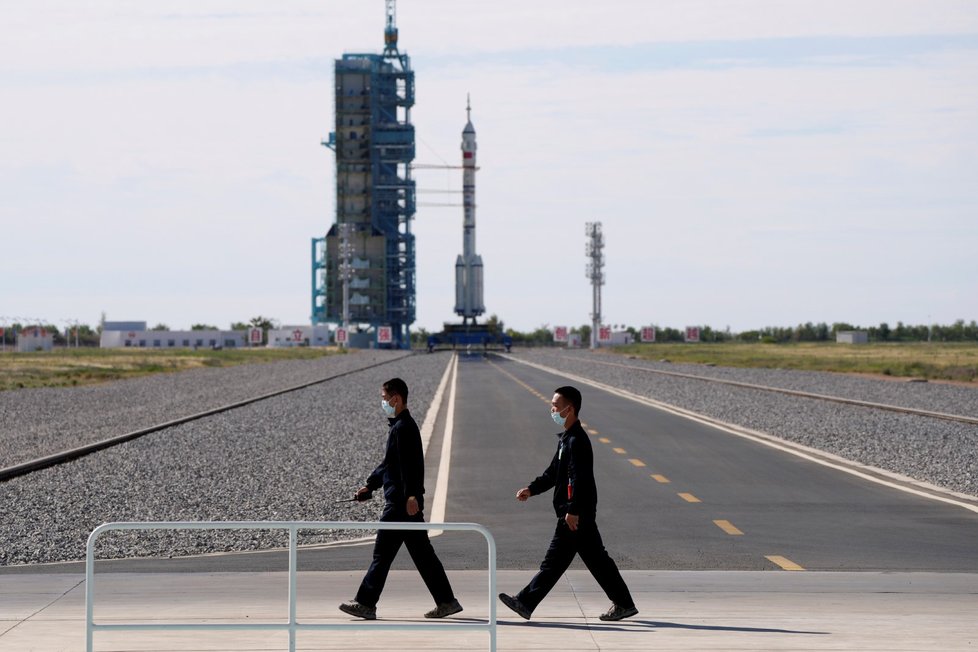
x=559, y=420
x=387, y=407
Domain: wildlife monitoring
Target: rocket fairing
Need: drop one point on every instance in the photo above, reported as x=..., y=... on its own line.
x=468, y=266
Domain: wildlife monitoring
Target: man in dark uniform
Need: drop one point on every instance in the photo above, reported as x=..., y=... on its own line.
x=571, y=474
x=401, y=474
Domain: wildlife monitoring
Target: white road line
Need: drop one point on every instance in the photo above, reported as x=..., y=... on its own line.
x=441, y=485
x=428, y=428
x=863, y=471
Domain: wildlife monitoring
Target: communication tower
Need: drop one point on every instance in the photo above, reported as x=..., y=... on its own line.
x=595, y=271
x=373, y=141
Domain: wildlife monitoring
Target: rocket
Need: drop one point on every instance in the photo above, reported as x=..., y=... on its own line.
x=468, y=266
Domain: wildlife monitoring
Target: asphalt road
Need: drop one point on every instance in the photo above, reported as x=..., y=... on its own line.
x=673, y=494
x=752, y=502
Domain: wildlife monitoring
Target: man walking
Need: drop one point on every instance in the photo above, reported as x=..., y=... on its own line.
x=401, y=474
x=571, y=474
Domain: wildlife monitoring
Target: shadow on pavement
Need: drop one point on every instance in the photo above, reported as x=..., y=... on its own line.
x=645, y=625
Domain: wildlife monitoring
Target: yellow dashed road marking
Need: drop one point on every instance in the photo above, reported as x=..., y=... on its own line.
x=659, y=478
x=636, y=462
x=728, y=527
x=620, y=451
x=604, y=440
x=690, y=498
x=784, y=563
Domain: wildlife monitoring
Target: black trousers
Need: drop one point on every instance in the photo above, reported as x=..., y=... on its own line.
x=387, y=545
x=586, y=542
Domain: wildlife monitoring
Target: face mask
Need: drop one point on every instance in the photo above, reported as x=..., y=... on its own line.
x=559, y=420
x=387, y=407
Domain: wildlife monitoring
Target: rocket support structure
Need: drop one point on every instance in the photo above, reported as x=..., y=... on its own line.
x=468, y=266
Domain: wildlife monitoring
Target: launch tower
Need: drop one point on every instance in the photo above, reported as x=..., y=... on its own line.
x=369, y=251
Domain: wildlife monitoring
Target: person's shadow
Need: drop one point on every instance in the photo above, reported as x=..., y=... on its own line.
x=647, y=625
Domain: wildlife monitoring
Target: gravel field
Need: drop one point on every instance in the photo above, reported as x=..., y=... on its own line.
x=39, y=422
x=943, y=453
x=285, y=458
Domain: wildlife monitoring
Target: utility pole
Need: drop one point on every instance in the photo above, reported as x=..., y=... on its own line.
x=594, y=250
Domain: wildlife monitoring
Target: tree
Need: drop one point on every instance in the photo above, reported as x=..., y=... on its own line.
x=419, y=337
x=203, y=327
x=160, y=327
x=495, y=325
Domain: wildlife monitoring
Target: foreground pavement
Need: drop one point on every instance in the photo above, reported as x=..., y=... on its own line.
x=679, y=610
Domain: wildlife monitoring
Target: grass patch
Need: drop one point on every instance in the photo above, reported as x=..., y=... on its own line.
x=954, y=361
x=74, y=367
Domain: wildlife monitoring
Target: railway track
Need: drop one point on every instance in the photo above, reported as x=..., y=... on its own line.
x=960, y=418
x=61, y=457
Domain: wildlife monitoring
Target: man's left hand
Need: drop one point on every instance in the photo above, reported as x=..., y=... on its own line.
x=571, y=520
x=412, y=506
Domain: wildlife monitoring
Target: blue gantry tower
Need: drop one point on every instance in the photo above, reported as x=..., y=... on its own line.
x=373, y=141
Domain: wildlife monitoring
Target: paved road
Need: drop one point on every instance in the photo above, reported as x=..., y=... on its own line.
x=773, y=504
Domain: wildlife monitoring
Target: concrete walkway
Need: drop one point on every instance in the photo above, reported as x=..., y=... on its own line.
x=679, y=610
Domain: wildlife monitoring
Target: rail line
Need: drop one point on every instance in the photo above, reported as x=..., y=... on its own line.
x=25, y=468
x=960, y=418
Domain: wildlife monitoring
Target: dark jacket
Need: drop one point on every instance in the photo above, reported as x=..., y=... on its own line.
x=401, y=474
x=571, y=474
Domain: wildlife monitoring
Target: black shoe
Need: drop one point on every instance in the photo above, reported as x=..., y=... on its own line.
x=354, y=608
x=444, y=609
x=617, y=613
x=513, y=603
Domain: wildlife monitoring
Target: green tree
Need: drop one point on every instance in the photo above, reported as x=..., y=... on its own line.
x=203, y=327
x=495, y=325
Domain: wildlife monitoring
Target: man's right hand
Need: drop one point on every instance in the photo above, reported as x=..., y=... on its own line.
x=523, y=494
x=363, y=494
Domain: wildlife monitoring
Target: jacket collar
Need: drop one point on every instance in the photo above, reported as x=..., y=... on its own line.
x=392, y=420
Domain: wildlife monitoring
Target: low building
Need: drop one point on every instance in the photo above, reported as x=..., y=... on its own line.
x=143, y=339
x=852, y=337
x=288, y=336
x=35, y=338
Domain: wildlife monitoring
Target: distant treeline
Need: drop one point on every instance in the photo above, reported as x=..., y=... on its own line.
x=959, y=331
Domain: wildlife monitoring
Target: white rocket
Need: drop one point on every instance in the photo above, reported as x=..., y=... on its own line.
x=468, y=266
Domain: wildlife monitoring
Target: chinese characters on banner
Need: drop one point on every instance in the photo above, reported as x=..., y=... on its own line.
x=604, y=334
x=648, y=333
x=385, y=335
x=255, y=336
x=341, y=336
x=692, y=333
x=560, y=334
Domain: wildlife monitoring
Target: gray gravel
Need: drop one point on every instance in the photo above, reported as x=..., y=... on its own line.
x=940, y=452
x=39, y=422
x=285, y=458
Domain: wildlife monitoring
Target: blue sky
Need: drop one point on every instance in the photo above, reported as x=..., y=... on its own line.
x=753, y=162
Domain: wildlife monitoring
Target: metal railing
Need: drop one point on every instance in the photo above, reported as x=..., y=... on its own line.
x=292, y=626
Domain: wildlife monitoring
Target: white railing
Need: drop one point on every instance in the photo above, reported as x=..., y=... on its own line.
x=292, y=626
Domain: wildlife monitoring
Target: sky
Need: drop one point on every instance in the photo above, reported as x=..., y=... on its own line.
x=753, y=162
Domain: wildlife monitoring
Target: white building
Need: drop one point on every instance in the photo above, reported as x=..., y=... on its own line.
x=852, y=337
x=144, y=339
x=288, y=336
x=34, y=338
